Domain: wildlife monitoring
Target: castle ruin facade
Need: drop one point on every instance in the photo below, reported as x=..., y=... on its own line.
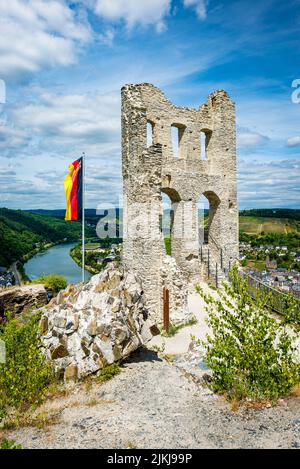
x=150, y=169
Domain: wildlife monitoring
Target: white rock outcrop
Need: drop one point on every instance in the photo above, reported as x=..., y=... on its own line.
x=87, y=327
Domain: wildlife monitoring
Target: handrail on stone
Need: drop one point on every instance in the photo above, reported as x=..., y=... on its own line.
x=278, y=296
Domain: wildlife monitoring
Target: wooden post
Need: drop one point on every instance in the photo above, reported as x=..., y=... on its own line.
x=166, y=309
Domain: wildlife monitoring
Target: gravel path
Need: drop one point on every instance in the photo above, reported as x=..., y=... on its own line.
x=152, y=404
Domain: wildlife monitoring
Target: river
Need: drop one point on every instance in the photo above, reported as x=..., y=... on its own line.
x=55, y=260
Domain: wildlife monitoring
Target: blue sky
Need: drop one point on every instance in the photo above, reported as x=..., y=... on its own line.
x=64, y=63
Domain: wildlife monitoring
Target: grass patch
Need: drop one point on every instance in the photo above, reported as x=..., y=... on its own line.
x=174, y=328
x=131, y=445
x=169, y=357
x=108, y=372
x=9, y=444
x=40, y=420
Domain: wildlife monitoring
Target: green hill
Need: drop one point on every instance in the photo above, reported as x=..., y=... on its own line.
x=290, y=213
x=254, y=225
x=25, y=232
x=22, y=233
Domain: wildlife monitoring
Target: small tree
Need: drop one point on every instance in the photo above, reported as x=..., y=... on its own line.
x=250, y=353
x=25, y=375
x=53, y=282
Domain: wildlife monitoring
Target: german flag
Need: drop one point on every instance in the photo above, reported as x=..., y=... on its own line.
x=73, y=186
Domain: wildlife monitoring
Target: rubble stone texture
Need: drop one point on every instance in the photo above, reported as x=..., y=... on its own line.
x=149, y=171
x=19, y=299
x=89, y=326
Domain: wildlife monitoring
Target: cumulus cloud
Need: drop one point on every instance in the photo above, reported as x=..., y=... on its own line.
x=200, y=7
x=37, y=33
x=269, y=184
x=248, y=138
x=294, y=141
x=134, y=12
x=12, y=138
x=73, y=118
x=51, y=132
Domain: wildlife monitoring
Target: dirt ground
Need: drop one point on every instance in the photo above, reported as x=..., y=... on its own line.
x=152, y=404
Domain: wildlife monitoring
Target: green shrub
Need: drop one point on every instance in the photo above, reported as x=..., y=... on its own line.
x=108, y=372
x=292, y=311
x=250, y=353
x=9, y=444
x=25, y=375
x=53, y=282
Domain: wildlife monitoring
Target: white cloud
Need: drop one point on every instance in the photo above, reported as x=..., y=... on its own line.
x=269, y=184
x=37, y=33
x=60, y=127
x=247, y=138
x=199, y=5
x=134, y=12
x=294, y=141
x=107, y=37
x=11, y=138
x=72, y=118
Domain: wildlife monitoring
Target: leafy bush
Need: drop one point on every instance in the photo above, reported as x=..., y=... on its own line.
x=250, y=353
x=9, y=444
x=25, y=375
x=108, y=372
x=53, y=282
x=292, y=311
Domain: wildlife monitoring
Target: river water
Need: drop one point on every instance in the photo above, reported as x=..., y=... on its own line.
x=55, y=260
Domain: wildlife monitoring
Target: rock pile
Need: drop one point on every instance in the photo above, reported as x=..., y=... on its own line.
x=192, y=363
x=87, y=327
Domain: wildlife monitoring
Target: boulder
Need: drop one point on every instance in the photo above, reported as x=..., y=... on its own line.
x=24, y=298
x=89, y=326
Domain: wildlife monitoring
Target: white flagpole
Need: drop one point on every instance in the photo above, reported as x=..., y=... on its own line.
x=83, y=215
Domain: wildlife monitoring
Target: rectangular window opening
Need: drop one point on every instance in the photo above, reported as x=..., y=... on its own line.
x=150, y=128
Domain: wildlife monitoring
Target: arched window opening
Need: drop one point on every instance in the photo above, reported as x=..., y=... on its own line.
x=150, y=130
x=177, y=132
x=207, y=208
x=205, y=136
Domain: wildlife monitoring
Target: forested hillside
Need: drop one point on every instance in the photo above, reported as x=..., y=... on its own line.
x=22, y=232
x=293, y=214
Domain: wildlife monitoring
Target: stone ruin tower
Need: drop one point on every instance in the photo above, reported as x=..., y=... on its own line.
x=150, y=169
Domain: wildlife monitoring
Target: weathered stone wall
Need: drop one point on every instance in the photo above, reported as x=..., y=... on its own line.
x=150, y=171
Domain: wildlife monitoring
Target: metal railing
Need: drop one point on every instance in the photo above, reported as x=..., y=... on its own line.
x=211, y=266
x=276, y=300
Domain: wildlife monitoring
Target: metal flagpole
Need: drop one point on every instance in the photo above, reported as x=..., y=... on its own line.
x=83, y=214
